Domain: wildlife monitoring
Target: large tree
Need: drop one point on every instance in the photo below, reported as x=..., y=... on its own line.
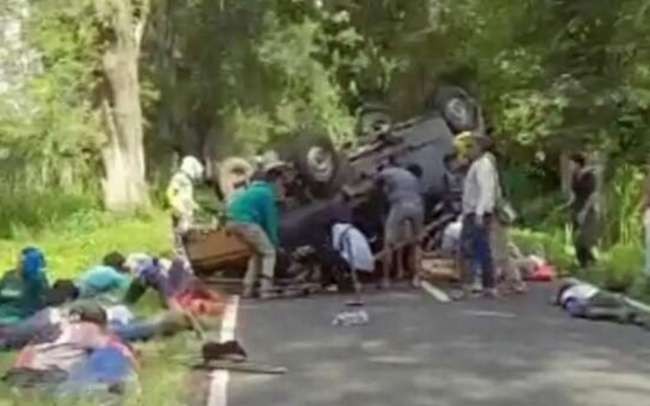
x=123, y=23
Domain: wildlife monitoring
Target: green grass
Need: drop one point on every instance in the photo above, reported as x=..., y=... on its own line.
x=73, y=244
x=163, y=380
x=619, y=267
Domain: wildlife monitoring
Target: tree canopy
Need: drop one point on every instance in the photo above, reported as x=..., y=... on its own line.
x=212, y=78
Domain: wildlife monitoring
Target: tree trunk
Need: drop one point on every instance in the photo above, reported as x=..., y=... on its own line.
x=565, y=174
x=125, y=185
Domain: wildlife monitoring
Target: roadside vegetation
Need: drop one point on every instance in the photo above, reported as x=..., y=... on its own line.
x=84, y=152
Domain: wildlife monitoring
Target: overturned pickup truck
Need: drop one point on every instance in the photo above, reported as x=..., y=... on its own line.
x=317, y=174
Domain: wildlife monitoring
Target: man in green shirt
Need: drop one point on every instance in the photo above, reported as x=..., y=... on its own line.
x=253, y=217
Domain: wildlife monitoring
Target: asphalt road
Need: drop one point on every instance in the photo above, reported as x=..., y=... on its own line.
x=416, y=351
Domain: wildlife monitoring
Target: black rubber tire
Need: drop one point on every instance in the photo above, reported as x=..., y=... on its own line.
x=456, y=106
x=318, y=163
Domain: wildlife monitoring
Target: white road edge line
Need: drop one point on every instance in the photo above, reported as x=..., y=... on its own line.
x=438, y=294
x=218, y=392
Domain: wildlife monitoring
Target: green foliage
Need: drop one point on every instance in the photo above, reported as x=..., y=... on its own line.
x=31, y=210
x=555, y=247
x=304, y=89
x=620, y=267
x=624, y=223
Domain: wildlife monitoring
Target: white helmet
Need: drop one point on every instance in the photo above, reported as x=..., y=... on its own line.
x=192, y=168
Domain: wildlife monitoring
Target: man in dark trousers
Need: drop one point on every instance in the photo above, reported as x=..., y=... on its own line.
x=584, y=210
x=480, y=192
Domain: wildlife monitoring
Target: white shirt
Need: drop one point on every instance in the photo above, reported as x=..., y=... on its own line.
x=451, y=236
x=581, y=292
x=481, y=187
x=353, y=247
x=119, y=314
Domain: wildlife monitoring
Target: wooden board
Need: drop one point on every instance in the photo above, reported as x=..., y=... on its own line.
x=211, y=250
x=440, y=269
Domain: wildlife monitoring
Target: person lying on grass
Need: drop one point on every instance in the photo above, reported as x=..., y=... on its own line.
x=75, y=353
x=179, y=289
x=22, y=290
x=63, y=299
x=109, y=280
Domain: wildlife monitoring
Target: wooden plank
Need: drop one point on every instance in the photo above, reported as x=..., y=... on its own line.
x=210, y=250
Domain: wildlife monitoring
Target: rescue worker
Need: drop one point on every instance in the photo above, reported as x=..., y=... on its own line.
x=253, y=216
x=180, y=196
x=405, y=220
x=480, y=191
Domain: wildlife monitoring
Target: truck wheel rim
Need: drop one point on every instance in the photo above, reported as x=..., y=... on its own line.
x=457, y=109
x=320, y=163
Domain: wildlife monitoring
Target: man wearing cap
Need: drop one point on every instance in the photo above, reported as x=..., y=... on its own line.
x=253, y=216
x=480, y=191
x=180, y=196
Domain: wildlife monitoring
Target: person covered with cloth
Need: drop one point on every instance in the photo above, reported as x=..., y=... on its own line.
x=23, y=290
x=480, y=191
x=401, y=188
x=253, y=216
x=180, y=197
x=74, y=354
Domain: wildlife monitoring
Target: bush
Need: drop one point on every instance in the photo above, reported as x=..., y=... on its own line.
x=620, y=267
x=640, y=288
x=555, y=247
x=23, y=210
x=83, y=239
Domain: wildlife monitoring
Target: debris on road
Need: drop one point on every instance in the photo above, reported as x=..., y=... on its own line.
x=351, y=318
x=438, y=294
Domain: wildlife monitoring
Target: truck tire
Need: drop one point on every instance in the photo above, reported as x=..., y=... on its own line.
x=457, y=108
x=318, y=163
